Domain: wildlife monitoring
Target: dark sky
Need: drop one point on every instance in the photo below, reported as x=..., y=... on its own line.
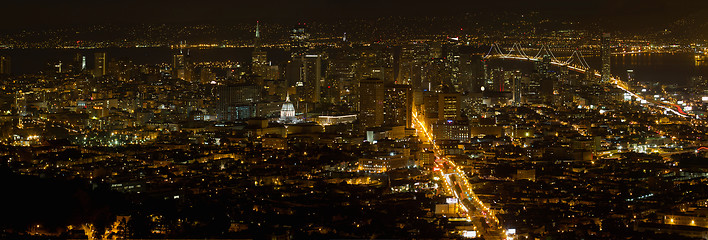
x=34, y=13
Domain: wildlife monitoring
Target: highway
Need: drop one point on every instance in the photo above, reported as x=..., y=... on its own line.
x=455, y=182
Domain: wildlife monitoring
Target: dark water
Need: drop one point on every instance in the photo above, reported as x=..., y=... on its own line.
x=662, y=68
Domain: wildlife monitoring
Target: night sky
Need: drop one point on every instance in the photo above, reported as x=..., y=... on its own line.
x=37, y=13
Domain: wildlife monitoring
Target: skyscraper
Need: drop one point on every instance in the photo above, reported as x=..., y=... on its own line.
x=606, y=74
x=259, y=58
x=79, y=62
x=398, y=103
x=517, y=87
x=448, y=105
x=236, y=101
x=178, y=66
x=307, y=70
x=99, y=64
x=371, y=102
x=543, y=66
x=179, y=63
x=5, y=66
x=341, y=72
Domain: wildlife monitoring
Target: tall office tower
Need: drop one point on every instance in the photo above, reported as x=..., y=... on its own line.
x=179, y=63
x=465, y=75
x=430, y=104
x=517, y=87
x=448, y=105
x=436, y=75
x=341, y=71
x=436, y=50
x=293, y=73
x=259, y=58
x=606, y=73
x=398, y=104
x=501, y=81
x=312, y=79
x=79, y=62
x=99, y=64
x=236, y=101
x=299, y=40
x=5, y=66
x=452, y=59
x=406, y=63
x=371, y=102
x=543, y=66
x=480, y=74
x=304, y=72
x=178, y=66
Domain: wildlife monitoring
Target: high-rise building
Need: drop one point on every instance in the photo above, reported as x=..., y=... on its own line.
x=179, y=63
x=543, y=66
x=99, y=64
x=79, y=62
x=371, y=102
x=305, y=71
x=178, y=66
x=517, y=88
x=259, y=58
x=501, y=80
x=398, y=104
x=448, y=105
x=606, y=73
x=436, y=75
x=5, y=67
x=341, y=72
x=236, y=101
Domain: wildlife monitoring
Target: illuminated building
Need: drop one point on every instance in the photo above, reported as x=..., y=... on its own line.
x=334, y=120
x=287, y=112
x=398, y=102
x=384, y=163
x=448, y=105
x=236, y=101
x=304, y=72
x=80, y=62
x=99, y=64
x=517, y=88
x=5, y=67
x=341, y=84
x=451, y=130
x=371, y=102
x=605, y=42
x=259, y=58
x=178, y=66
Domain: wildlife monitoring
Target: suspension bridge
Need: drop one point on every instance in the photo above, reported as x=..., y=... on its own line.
x=575, y=62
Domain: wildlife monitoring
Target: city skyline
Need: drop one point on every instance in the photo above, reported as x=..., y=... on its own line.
x=323, y=119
